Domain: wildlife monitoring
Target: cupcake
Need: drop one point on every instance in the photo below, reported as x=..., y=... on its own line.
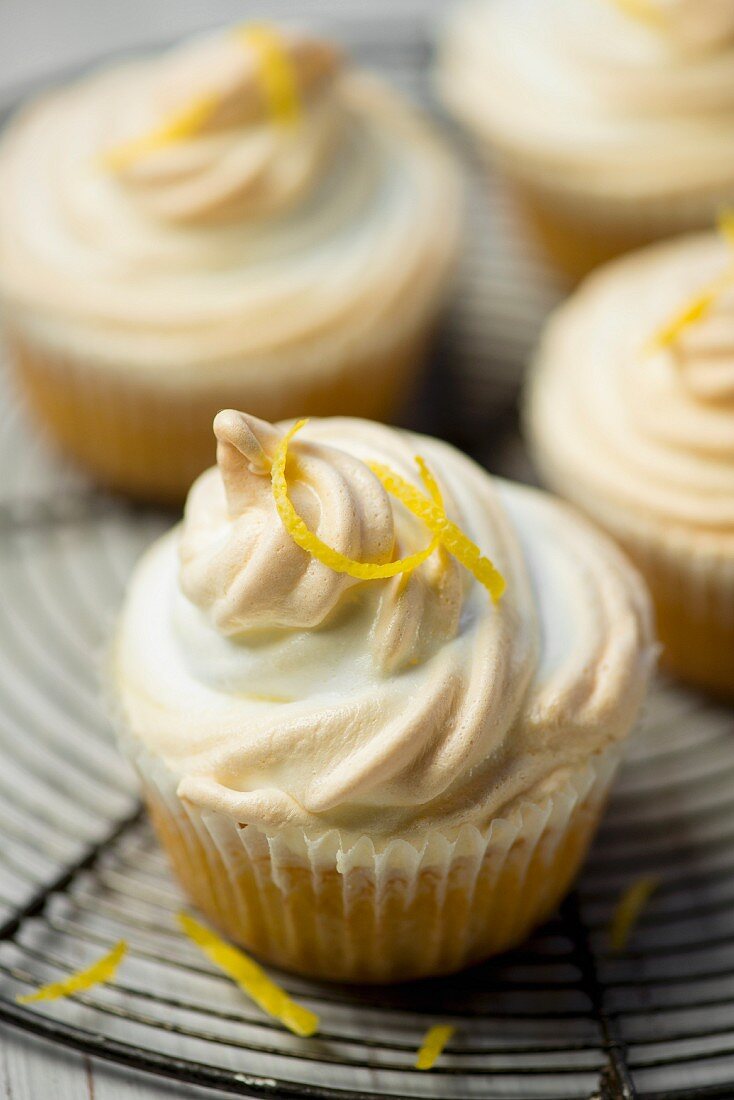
x=376, y=701
x=630, y=413
x=240, y=221
x=613, y=120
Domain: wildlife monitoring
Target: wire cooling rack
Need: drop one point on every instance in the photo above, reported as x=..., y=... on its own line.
x=79, y=868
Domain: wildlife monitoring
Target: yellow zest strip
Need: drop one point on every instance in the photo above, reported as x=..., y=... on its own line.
x=701, y=304
x=276, y=70
x=278, y=78
x=644, y=11
x=182, y=126
x=436, y=496
x=690, y=314
x=310, y=542
x=445, y=533
x=103, y=970
x=628, y=909
x=432, y=1046
x=725, y=225
x=450, y=536
x=251, y=978
x=429, y=481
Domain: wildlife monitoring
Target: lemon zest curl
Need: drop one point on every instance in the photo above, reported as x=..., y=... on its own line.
x=628, y=910
x=187, y=123
x=433, y=1044
x=644, y=11
x=466, y=552
x=103, y=970
x=251, y=978
x=700, y=305
x=279, y=86
x=429, y=509
x=315, y=546
x=276, y=71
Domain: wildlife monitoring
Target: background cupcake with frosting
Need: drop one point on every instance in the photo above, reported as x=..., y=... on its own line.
x=612, y=119
x=244, y=220
x=630, y=414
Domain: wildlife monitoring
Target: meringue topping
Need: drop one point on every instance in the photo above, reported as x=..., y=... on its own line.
x=282, y=692
x=703, y=300
x=241, y=566
x=236, y=68
x=587, y=99
x=647, y=433
x=215, y=149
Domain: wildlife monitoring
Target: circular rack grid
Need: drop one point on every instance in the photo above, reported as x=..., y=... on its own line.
x=79, y=868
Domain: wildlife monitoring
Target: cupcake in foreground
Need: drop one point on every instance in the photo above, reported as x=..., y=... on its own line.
x=376, y=700
x=242, y=221
x=613, y=119
x=631, y=415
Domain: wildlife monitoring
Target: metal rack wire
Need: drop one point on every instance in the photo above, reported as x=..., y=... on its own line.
x=79, y=868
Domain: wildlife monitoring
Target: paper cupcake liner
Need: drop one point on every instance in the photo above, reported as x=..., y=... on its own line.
x=151, y=434
x=579, y=234
x=691, y=581
x=344, y=908
x=646, y=217
x=579, y=229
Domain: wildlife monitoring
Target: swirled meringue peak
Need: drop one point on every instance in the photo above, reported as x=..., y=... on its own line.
x=632, y=400
x=283, y=690
x=627, y=99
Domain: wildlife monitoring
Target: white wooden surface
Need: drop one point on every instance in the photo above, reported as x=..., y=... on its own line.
x=38, y=37
x=34, y=1070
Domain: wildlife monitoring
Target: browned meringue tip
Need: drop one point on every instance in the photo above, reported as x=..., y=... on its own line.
x=243, y=442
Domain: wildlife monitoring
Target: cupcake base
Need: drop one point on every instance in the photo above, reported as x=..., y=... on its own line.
x=695, y=647
x=152, y=439
x=693, y=596
x=689, y=576
x=348, y=912
x=579, y=232
x=572, y=247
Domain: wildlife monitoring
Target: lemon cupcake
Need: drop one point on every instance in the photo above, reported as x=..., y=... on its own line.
x=631, y=416
x=241, y=221
x=613, y=119
x=376, y=700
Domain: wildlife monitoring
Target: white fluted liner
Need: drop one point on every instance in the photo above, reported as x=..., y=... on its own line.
x=347, y=907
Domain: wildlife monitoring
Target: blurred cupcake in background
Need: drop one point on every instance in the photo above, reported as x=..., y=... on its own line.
x=612, y=119
x=376, y=700
x=630, y=414
x=239, y=221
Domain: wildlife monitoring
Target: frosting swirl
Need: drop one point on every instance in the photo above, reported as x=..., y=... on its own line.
x=648, y=434
x=249, y=240
x=282, y=693
x=246, y=572
x=238, y=162
x=587, y=99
